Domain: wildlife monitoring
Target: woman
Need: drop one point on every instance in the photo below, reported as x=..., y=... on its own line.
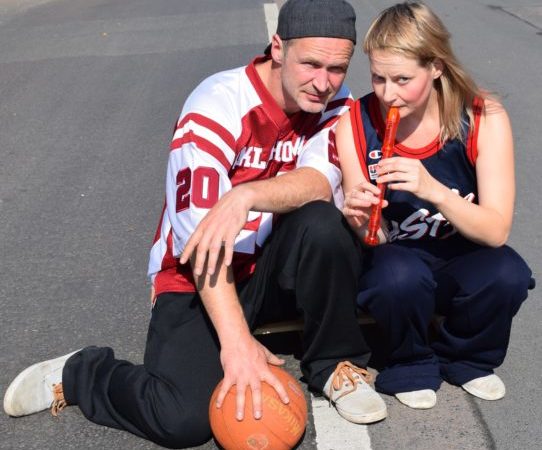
x=448, y=211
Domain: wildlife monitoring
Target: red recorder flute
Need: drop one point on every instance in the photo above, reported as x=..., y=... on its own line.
x=392, y=122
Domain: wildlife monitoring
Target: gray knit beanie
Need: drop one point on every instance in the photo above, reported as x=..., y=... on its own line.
x=316, y=18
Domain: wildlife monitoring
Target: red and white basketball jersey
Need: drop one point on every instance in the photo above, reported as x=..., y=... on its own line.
x=231, y=131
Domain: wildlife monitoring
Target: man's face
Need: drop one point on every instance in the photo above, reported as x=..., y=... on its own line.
x=313, y=70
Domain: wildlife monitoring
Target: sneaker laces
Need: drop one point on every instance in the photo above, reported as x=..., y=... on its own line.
x=59, y=402
x=347, y=370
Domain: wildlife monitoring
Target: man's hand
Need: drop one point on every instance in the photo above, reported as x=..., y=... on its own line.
x=246, y=366
x=217, y=229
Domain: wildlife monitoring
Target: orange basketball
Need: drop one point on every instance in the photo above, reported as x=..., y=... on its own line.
x=280, y=427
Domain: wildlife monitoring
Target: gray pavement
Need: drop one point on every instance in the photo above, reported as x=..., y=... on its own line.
x=89, y=93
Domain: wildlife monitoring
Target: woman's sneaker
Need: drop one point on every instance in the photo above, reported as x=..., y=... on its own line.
x=37, y=388
x=353, y=398
x=489, y=387
x=421, y=399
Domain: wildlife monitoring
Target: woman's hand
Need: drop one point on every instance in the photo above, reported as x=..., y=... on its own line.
x=358, y=202
x=407, y=174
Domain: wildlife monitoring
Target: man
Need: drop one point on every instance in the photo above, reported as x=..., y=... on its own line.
x=247, y=235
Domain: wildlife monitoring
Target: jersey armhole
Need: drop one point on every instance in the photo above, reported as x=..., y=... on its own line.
x=472, y=141
x=359, y=136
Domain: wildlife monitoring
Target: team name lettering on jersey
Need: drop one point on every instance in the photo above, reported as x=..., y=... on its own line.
x=286, y=151
x=250, y=157
x=420, y=224
x=282, y=151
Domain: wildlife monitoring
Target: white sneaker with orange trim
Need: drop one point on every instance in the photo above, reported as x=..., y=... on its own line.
x=37, y=388
x=348, y=389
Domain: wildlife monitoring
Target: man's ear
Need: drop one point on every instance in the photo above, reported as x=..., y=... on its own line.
x=277, y=49
x=437, y=68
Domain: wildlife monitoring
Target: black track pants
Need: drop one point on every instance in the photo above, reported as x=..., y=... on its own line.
x=309, y=267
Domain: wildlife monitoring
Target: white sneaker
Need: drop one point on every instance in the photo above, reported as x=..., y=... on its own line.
x=489, y=387
x=353, y=398
x=421, y=399
x=36, y=388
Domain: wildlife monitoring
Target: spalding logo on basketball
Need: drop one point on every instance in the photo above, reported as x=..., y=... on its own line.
x=280, y=427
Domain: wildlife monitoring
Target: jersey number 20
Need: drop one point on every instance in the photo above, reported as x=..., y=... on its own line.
x=199, y=187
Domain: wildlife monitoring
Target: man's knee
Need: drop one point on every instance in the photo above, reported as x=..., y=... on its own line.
x=192, y=430
x=323, y=226
x=318, y=212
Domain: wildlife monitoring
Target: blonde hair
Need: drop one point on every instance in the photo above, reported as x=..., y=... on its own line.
x=413, y=30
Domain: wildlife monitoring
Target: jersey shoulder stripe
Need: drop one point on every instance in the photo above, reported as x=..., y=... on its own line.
x=203, y=145
x=223, y=98
x=207, y=123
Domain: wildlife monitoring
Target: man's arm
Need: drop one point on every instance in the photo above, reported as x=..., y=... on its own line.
x=202, y=153
x=226, y=219
x=244, y=360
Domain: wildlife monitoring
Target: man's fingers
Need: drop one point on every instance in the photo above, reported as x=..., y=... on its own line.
x=190, y=246
x=229, y=244
x=199, y=261
x=228, y=251
x=274, y=382
x=256, y=390
x=240, y=401
x=274, y=359
x=224, y=388
x=271, y=379
x=214, y=254
x=202, y=253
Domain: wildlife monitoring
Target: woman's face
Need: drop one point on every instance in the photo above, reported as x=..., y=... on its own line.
x=401, y=81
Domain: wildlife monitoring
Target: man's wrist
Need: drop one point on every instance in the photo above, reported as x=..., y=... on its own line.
x=231, y=339
x=246, y=193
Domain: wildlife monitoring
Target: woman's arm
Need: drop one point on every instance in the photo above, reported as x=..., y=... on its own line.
x=488, y=222
x=360, y=194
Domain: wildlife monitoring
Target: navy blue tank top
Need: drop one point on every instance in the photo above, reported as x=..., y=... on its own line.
x=413, y=221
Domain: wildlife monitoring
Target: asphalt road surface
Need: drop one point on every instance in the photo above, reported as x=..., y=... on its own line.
x=89, y=93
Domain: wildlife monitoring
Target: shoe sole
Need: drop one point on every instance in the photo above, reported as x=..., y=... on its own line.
x=426, y=405
x=480, y=394
x=364, y=418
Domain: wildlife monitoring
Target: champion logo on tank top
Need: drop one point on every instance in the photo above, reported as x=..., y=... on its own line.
x=408, y=217
x=373, y=157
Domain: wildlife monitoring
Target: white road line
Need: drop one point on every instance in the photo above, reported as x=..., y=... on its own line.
x=271, y=12
x=335, y=433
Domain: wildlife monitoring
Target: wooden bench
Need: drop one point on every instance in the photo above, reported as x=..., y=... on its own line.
x=297, y=325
